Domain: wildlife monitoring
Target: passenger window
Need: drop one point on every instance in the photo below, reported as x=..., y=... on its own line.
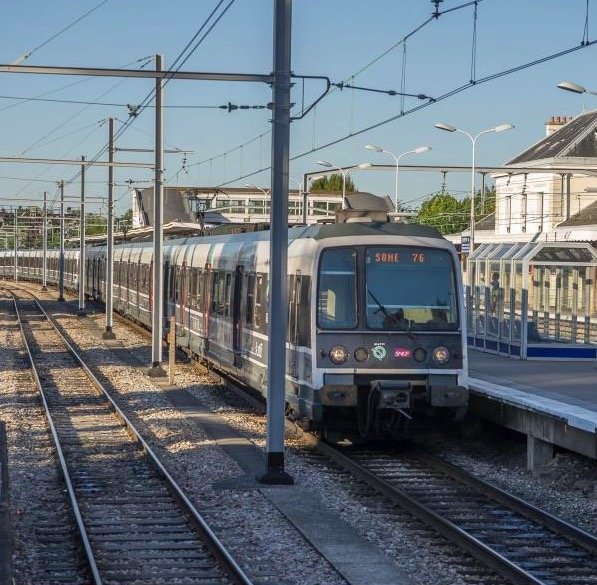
x=250, y=298
x=337, y=300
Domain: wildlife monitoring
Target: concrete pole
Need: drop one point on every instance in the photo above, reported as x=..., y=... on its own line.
x=108, y=333
x=44, y=238
x=61, y=253
x=156, y=369
x=82, y=263
x=16, y=247
x=278, y=306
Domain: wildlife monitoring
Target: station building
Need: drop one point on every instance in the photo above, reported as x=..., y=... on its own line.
x=532, y=278
x=215, y=206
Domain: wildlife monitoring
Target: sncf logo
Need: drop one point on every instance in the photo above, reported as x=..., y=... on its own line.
x=402, y=352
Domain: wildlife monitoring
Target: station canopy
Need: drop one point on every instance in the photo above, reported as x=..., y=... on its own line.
x=533, y=300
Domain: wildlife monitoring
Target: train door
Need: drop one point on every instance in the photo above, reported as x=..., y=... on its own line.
x=236, y=316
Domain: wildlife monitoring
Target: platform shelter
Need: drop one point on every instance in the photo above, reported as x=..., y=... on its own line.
x=533, y=300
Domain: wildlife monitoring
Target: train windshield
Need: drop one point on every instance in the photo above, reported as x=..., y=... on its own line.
x=409, y=288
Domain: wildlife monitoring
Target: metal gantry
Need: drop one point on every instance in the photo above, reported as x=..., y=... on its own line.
x=280, y=80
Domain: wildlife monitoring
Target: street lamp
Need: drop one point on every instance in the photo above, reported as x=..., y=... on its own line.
x=473, y=139
x=575, y=88
x=264, y=191
x=397, y=157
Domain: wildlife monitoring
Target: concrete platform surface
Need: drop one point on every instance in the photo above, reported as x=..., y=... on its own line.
x=553, y=403
x=569, y=382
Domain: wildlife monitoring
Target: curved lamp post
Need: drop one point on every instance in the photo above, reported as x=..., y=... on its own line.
x=397, y=157
x=473, y=139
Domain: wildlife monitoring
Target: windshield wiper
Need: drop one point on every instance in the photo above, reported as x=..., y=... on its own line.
x=392, y=317
x=381, y=307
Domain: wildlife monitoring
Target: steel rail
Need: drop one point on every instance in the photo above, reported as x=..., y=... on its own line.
x=493, y=492
x=231, y=567
x=469, y=543
x=65, y=472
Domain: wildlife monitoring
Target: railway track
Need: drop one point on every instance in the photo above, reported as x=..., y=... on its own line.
x=519, y=541
x=135, y=523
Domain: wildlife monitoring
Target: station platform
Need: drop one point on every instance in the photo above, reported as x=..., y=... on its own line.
x=552, y=402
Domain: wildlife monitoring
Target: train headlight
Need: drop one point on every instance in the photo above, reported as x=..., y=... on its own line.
x=361, y=354
x=338, y=354
x=441, y=355
x=420, y=355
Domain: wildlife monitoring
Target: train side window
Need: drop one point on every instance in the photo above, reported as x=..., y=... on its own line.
x=198, y=289
x=337, y=299
x=250, y=299
x=171, y=291
x=227, y=292
x=177, y=284
x=257, y=319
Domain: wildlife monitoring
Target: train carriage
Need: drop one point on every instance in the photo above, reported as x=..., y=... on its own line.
x=376, y=334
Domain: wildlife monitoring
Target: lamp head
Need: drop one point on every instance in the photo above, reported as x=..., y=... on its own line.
x=373, y=147
x=316, y=177
x=446, y=127
x=365, y=165
x=503, y=127
x=421, y=149
x=573, y=87
x=325, y=163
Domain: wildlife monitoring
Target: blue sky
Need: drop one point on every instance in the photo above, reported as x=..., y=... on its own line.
x=330, y=37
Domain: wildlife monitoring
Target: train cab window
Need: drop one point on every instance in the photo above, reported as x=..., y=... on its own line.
x=337, y=298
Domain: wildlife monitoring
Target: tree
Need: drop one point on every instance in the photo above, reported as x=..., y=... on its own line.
x=333, y=184
x=451, y=216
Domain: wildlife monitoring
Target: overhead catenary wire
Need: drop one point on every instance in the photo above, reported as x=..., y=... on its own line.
x=177, y=64
x=347, y=79
x=448, y=94
x=70, y=25
x=230, y=107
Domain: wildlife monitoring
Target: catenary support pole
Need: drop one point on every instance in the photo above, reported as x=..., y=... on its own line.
x=156, y=369
x=82, y=256
x=108, y=333
x=61, y=253
x=278, y=307
x=16, y=247
x=305, y=198
x=44, y=239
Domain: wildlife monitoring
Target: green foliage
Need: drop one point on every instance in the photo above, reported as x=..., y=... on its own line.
x=450, y=215
x=333, y=184
x=96, y=224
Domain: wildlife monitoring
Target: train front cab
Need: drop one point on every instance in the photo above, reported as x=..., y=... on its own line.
x=389, y=339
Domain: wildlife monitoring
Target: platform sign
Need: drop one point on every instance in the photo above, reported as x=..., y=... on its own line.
x=465, y=244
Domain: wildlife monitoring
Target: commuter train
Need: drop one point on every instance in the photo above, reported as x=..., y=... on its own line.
x=376, y=339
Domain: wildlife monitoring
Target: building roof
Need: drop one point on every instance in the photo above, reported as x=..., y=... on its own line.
x=577, y=138
x=587, y=216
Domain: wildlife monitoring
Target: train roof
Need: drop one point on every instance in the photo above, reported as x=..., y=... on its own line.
x=324, y=231
x=339, y=230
